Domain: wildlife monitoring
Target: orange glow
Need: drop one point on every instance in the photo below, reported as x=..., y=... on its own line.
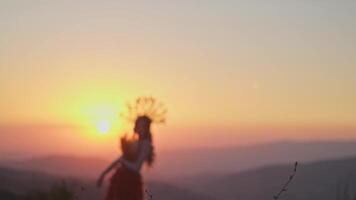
x=81, y=70
x=104, y=127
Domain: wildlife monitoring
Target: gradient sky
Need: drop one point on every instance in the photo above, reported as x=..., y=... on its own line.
x=221, y=67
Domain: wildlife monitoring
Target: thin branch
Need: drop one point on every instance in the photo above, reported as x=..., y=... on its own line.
x=150, y=196
x=285, y=186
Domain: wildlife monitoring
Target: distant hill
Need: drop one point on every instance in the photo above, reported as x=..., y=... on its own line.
x=168, y=192
x=23, y=181
x=178, y=165
x=65, y=166
x=324, y=180
x=16, y=182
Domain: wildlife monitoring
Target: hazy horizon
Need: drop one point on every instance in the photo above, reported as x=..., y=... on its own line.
x=229, y=72
x=31, y=143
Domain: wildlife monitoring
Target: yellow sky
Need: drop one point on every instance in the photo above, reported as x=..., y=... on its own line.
x=228, y=64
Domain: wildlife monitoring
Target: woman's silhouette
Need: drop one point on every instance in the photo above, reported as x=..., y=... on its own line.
x=126, y=183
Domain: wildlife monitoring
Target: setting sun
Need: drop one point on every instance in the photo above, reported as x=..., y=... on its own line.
x=104, y=126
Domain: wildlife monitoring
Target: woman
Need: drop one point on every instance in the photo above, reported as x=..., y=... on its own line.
x=126, y=183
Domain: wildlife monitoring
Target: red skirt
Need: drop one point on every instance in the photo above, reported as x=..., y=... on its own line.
x=125, y=185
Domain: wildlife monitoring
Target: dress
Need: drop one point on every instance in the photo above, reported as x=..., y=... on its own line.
x=126, y=184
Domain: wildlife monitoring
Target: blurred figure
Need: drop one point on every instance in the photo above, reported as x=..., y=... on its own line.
x=126, y=183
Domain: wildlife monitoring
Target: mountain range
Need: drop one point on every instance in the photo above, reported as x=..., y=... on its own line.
x=182, y=164
x=327, y=170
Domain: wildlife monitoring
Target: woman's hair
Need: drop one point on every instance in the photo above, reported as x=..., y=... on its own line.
x=151, y=155
x=146, y=122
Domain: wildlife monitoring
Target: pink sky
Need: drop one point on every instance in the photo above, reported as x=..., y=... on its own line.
x=284, y=70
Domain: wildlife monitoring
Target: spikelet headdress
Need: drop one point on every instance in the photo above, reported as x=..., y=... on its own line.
x=146, y=106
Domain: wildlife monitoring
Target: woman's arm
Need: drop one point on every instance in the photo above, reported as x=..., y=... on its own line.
x=111, y=166
x=144, y=150
x=107, y=170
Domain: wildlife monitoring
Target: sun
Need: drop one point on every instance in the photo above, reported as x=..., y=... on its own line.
x=103, y=127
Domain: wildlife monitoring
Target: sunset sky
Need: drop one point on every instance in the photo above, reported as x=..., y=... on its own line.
x=231, y=72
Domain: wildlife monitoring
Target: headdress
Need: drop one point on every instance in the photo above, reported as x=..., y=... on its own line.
x=148, y=107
